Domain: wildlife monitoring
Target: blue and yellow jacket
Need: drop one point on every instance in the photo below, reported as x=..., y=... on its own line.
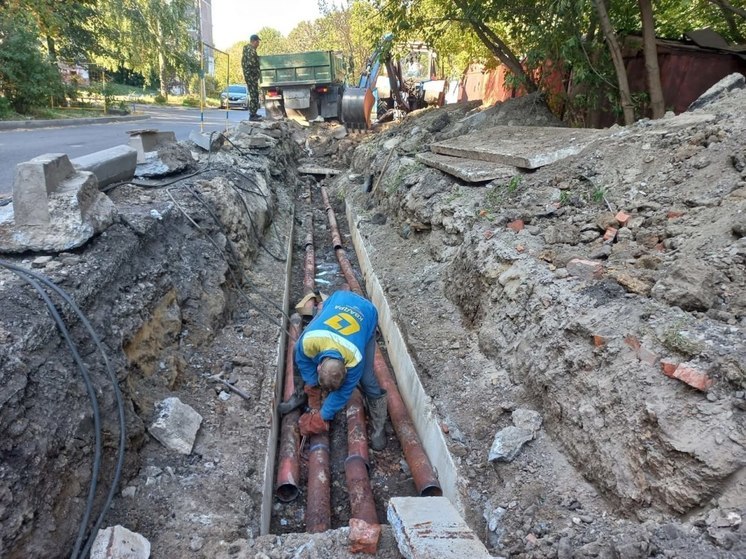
x=341, y=330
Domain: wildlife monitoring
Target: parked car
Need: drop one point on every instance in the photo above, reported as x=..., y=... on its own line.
x=235, y=95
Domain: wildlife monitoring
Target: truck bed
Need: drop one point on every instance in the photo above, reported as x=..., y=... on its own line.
x=301, y=68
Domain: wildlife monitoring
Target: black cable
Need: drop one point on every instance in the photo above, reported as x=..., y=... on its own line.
x=117, y=396
x=92, y=397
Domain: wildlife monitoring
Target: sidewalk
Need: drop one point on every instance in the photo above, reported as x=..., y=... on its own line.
x=27, y=124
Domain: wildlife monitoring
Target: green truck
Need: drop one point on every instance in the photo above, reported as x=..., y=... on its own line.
x=305, y=85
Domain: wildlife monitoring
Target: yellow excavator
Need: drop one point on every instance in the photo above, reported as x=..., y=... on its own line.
x=408, y=83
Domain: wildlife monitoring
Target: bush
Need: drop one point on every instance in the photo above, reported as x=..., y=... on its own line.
x=5, y=109
x=190, y=101
x=26, y=79
x=159, y=99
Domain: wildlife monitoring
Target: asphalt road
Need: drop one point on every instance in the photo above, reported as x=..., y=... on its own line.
x=17, y=146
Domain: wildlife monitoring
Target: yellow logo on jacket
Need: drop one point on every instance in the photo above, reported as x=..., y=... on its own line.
x=344, y=323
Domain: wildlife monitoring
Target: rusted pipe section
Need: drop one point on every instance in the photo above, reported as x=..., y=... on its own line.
x=357, y=438
x=423, y=473
x=288, y=469
x=356, y=466
x=336, y=238
x=318, y=505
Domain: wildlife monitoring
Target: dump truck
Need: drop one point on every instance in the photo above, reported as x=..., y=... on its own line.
x=305, y=85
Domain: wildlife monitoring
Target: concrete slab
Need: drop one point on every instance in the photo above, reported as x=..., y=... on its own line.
x=109, y=165
x=117, y=542
x=430, y=528
x=469, y=170
x=528, y=147
x=208, y=142
x=317, y=170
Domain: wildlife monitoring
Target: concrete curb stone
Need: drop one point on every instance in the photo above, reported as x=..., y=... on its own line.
x=24, y=124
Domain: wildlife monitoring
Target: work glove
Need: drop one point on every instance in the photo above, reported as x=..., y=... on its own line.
x=314, y=396
x=311, y=423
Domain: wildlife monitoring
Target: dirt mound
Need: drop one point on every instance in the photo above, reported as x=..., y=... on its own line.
x=597, y=291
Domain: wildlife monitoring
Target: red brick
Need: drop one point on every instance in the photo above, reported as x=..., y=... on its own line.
x=610, y=234
x=693, y=376
x=622, y=218
x=674, y=214
x=586, y=269
x=363, y=536
x=632, y=342
x=520, y=248
x=668, y=367
x=599, y=341
x=488, y=234
x=516, y=225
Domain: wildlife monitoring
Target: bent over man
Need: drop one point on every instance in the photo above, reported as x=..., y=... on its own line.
x=334, y=355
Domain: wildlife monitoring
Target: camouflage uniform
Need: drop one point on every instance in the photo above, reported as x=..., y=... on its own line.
x=250, y=66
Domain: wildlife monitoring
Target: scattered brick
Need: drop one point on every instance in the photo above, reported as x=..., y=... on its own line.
x=585, y=269
x=363, y=536
x=674, y=214
x=691, y=375
x=646, y=356
x=632, y=342
x=622, y=218
x=482, y=213
x=668, y=367
x=520, y=248
x=489, y=234
x=516, y=225
x=610, y=234
x=444, y=428
x=599, y=341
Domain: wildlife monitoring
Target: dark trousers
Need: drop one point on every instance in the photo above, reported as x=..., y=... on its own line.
x=368, y=383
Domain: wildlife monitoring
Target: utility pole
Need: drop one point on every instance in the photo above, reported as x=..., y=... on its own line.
x=201, y=68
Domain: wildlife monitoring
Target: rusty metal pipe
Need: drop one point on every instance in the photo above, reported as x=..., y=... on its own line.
x=318, y=505
x=288, y=468
x=336, y=238
x=357, y=438
x=356, y=465
x=423, y=473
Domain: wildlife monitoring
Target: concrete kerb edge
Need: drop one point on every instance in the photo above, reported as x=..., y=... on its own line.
x=270, y=458
x=412, y=392
x=27, y=124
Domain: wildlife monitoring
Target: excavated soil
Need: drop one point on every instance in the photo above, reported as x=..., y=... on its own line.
x=497, y=313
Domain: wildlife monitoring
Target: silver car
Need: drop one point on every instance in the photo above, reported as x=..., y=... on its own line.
x=235, y=95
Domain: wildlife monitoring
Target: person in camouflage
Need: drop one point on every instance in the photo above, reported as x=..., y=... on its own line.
x=250, y=66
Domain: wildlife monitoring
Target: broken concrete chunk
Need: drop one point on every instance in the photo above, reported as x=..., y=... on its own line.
x=728, y=83
x=208, y=142
x=310, y=169
x=527, y=419
x=168, y=160
x=144, y=141
x=431, y=528
x=117, y=542
x=363, y=536
x=176, y=425
x=689, y=284
x=585, y=269
x=469, y=170
x=508, y=443
x=34, y=181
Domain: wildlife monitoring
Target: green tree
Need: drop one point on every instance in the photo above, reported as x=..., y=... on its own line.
x=272, y=41
x=27, y=78
x=221, y=65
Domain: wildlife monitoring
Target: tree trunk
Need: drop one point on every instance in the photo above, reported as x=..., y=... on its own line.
x=618, y=60
x=727, y=6
x=657, y=103
x=730, y=20
x=161, y=62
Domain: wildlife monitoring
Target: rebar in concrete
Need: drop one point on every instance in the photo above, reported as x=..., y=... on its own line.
x=423, y=473
x=288, y=469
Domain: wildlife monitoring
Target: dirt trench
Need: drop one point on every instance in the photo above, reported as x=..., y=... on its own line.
x=627, y=462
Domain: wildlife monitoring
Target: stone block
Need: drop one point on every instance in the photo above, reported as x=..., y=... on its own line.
x=431, y=528
x=116, y=542
x=508, y=443
x=585, y=269
x=109, y=165
x=176, y=425
x=34, y=181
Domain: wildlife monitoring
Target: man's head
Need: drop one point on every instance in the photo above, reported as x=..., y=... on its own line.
x=254, y=40
x=331, y=374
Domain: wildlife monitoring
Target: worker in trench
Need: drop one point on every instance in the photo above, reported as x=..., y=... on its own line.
x=333, y=356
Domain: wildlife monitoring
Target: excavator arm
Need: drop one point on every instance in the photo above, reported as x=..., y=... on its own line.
x=358, y=102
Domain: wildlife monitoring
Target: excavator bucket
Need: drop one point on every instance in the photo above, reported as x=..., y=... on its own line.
x=357, y=104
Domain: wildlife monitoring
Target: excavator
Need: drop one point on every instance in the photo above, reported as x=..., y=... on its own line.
x=408, y=84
